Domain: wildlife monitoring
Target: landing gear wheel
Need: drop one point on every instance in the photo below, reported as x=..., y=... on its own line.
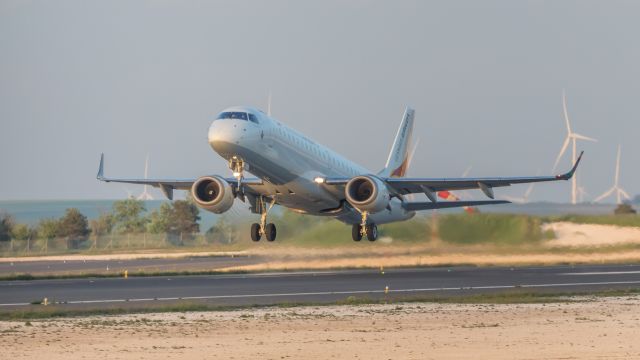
x=372, y=232
x=270, y=231
x=356, y=234
x=255, y=232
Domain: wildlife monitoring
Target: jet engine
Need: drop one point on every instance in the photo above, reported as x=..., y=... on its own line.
x=367, y=193
x=212, y=193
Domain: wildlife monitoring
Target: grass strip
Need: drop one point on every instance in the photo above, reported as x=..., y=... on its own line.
x=26, y=277
x=36, y=312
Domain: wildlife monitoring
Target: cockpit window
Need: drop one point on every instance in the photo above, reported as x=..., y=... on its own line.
x=253, y=118
x=233, y=115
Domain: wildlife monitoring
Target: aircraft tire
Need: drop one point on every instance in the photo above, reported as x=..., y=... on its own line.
x=356, y=235
x=270, y=231
x=372, y=232
x=255, y=232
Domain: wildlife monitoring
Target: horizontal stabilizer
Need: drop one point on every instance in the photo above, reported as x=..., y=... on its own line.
x=415, y=206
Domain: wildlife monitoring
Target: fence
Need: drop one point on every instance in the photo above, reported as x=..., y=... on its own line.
x=106, y=243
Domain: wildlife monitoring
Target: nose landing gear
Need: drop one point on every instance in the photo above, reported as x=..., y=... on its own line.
x=264, y=229
x=236, y=165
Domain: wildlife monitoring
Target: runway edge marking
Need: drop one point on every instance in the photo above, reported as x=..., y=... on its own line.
x=319, y=293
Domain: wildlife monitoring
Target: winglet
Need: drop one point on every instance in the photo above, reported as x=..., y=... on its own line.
x=569, y=175
x=100, y=175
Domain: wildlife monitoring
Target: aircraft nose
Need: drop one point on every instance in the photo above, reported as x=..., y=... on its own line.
x=229, y=131
x=223, y=133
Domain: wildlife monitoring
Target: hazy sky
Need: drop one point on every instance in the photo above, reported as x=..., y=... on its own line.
x=128, y=78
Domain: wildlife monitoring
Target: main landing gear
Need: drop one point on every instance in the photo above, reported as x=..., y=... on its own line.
x=370, y=230
x=264, y=229
x=269, y=232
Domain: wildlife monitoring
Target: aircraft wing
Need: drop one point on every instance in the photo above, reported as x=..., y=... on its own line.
x=430, y=186
x=168, y=185
x=415, y=206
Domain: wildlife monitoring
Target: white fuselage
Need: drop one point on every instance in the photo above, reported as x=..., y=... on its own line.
x=288, y=162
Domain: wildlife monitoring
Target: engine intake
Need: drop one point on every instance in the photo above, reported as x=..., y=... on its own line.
x=213, y=194
x=367, y=193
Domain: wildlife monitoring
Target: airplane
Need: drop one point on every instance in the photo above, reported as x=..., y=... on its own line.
x=300, y=174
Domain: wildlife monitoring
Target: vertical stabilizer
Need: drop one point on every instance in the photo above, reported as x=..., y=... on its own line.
x=399, y=157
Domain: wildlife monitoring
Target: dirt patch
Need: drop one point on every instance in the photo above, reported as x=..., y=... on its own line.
x=594, y=329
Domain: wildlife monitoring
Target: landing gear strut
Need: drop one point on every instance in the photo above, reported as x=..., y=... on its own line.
x=264, y=229
x=236, y=165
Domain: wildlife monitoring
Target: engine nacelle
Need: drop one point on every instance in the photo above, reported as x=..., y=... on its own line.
x=212, y=193
x=367, y=193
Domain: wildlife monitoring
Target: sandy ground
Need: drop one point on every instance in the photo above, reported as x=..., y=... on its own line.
x=592, y=329
x=509, y=259
x=591, y=235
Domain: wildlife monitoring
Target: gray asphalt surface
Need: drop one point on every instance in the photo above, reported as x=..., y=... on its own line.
x=318, y=286
x=105, y=266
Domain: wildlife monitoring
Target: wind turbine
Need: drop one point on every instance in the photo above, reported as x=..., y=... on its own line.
x=145, y=192
x=525, y=197
x=129, y=194
x=571, y=137
x=620, y=193
x=466, y=171
x=582, y=193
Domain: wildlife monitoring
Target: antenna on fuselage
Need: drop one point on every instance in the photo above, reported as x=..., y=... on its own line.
x=269, y=104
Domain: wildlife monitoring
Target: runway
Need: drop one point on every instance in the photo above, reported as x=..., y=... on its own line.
x=317, y=286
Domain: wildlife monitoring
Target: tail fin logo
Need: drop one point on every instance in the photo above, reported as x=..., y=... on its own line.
x=399, y=156
x=402, y=169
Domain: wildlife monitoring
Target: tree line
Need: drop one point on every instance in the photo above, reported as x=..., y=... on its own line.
x=128, y=216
